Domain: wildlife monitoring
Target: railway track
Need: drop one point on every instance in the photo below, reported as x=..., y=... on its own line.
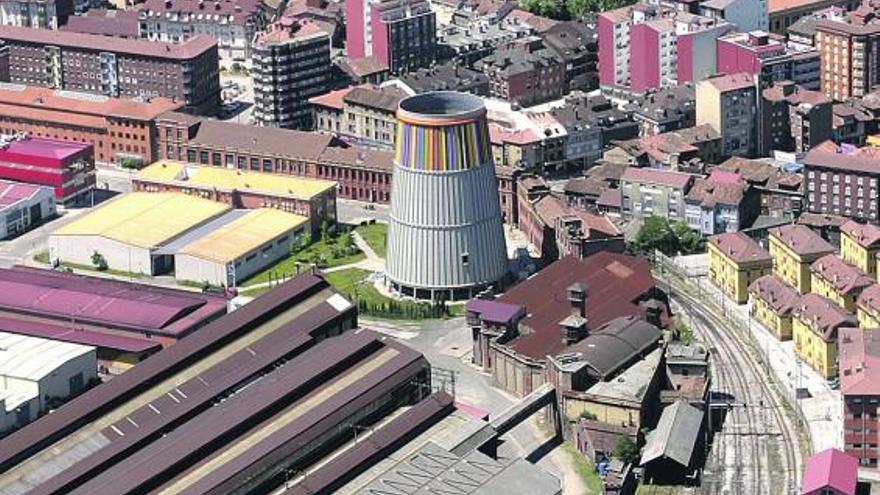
x=757, y=434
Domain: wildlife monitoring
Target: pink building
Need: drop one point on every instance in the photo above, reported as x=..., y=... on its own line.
x=644, y=47
x=766, y=55
x=830, y=472
x=68, y=167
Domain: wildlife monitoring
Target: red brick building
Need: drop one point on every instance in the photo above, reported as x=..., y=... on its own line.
x=859, y=368
x=118, y=129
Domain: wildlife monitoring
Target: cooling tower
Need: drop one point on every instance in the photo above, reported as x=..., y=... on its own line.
x=445, y=235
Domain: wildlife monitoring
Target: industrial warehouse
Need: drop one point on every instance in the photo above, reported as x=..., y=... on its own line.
x=124, y=320
x=271, y=398
x=200, y=240
x=314, y=199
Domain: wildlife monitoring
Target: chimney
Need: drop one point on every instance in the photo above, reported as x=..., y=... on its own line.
x=577, y=299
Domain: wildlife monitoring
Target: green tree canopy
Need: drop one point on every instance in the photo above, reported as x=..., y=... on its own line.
x=669, y=238
x=627, y=450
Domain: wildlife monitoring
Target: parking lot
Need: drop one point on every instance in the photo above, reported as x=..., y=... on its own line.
x=237, y=93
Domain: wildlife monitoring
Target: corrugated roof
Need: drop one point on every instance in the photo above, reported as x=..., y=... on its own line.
x=675, y=436
x=615, y=282
x=613, y=345
x=77, y=335
x=33, y=358
x=146, y=220
x=244, y=235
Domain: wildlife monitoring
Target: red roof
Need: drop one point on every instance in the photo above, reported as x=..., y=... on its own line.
x=740, y=248
x=866, y=235
x=12, y=192
x=830, y=469
x=45, y=104
x=333, y=99
x=186, y=50
x=802, y=240
x=859, y=358
x=550, y=208
x=657, y=176
x=844, y=278
x=829, y=155
x=823, y=316
x=776, y=293
x=615, y=285
x=869, y=299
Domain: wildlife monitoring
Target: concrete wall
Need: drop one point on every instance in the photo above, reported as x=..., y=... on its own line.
x=78, y=249
x=18, y=219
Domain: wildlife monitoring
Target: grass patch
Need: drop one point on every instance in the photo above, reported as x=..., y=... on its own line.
x=374, y=234
x=326, y=253
x=657, y=490
x=352, y=283
x=108, y=271
x=584, y=469
x=42, y=257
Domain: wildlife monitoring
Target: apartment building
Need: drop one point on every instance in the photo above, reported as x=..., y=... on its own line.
x=772, y=302
x=186, y=72
x=815, y=325
x=526, y=74
x=400, y=33
x=794, y=248
x=793, y=119
x=842, y=182
x=859, y=245
x=644, y=47
x=728, y=104
x=722, y=202
x=838, y=281
x=653, y=192
x=232, y=23
x=364, y=114
x=735, y=262
x=744, y=15
x=42, y=14
x=768, y=58
x=850, y=52
x=859, y=358
x=291, y=63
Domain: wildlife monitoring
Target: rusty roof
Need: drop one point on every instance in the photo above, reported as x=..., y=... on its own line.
x=740, y=248
x=802, y=240
x=844, y=278
x=616, y=282
x=823, y=316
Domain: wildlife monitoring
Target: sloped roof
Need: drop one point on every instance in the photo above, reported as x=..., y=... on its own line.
x=776, y=293
x=740, y=248
x=831, y=468
x=844, y=278
x=616, y=283
x=823, y=316
x=801, y=240
x=859, y=358
x=675, y=436
x=866, y=235
x=869, y=299
x=614, y=344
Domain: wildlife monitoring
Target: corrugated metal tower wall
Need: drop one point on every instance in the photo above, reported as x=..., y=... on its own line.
x=445, y=236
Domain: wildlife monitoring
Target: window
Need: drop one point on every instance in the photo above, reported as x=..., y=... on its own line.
x=465, y=258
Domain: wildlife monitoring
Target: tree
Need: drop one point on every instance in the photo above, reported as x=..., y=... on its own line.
x=656, y=233
x=99, y=261
x=689, y=240
x=627, y=450
x=588, y=415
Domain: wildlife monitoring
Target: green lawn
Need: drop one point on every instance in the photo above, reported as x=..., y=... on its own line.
x=374, y=234
x=286, y=267
x=109, y=271
x=585, y=470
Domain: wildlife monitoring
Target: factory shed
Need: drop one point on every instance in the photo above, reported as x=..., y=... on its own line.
x=127, y=231
x=250, y=241
x=39, y=374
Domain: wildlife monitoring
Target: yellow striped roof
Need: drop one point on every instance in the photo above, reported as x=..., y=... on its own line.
x=243, y=235
x=145, y=219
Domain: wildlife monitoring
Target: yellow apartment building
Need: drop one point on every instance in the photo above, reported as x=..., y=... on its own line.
x=735, y=261
x=860, y=245
x=868, y=307
x=772, y=304
x=793, y=249
x=838, y=281
x=815, y=322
